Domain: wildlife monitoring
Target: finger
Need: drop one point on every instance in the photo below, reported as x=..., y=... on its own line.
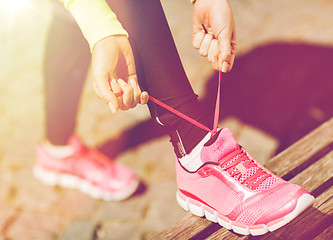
x=128, y=94
x=224, y=39
x=144, y=98
x=233, y=53
x=98, y=94
x=205, y=45
x=137, y=91
x=129, y=68
x=213, y=53
x=103, y=91
x=197, y=39
x=116, y=89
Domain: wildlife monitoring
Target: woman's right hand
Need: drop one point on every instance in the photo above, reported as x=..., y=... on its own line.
x=214, y=33
x=114, y=74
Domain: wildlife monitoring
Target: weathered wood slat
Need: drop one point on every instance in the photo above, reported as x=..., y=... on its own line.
x=227, y=235
x=310, y=161
x=303, y=150
x=188, y=226
x=326, y=235
x=318, y=173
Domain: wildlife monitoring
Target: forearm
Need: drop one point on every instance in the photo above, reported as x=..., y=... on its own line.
x=95, y=18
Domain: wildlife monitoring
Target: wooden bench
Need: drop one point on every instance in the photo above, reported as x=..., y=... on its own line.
x=309, y=163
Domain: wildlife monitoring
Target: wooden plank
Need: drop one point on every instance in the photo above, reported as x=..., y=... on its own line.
x=227, y=235
x=326, y=235
x=318, y=173
x=187, y=227
x=303, y=150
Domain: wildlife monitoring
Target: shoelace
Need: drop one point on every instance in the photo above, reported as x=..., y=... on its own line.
x=191, y=120
x=238, y=160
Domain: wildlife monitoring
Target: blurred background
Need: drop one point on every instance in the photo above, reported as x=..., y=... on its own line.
x=279, y=89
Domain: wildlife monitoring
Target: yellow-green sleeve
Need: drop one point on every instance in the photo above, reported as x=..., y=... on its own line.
x=95, y=18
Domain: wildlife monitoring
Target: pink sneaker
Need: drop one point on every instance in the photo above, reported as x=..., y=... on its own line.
x=231, y=188
x=87, y=170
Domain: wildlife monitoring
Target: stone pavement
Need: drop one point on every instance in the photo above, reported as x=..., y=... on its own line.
x=30, y=210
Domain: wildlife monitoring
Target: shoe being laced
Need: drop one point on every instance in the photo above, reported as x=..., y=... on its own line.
x=233, y=189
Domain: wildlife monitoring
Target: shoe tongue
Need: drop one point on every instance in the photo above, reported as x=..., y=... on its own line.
x=219, y=146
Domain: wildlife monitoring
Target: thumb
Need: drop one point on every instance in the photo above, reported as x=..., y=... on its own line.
x=225, y=49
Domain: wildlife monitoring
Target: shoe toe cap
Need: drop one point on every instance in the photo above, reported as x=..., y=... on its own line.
x=274, y=206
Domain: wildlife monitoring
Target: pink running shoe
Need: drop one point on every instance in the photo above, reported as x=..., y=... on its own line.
x=87, y=170
x=231, y=188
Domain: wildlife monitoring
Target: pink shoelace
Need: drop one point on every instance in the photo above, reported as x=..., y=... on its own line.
x=238, y=160
x=191, y=120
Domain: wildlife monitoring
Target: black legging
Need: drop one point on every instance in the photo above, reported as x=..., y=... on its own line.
x=66, y=62
x=159, y=69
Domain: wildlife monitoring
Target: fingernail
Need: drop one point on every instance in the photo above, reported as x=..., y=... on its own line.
x=133, y=83
x=114, y=81
x=146, y=97
x=112, y=108
x=225, y=67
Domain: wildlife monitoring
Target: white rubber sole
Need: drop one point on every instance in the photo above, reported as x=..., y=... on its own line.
x=69, y=181
x=202, y=210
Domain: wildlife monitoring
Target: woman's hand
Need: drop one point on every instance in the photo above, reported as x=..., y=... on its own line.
x=114, y=75
x=214, y=32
